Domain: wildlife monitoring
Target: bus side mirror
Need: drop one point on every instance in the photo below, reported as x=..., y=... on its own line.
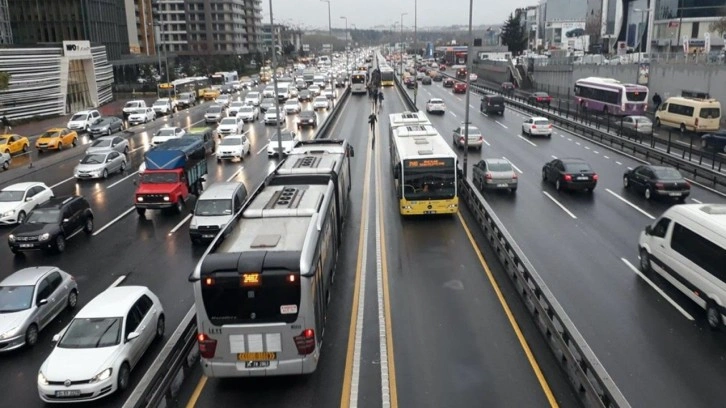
x=648, y=230
x=351, y=151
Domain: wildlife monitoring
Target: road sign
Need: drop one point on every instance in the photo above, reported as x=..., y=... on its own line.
x=327, y=47
x=306, y=47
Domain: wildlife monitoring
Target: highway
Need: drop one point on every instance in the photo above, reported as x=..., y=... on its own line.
x=154, y=251
x=653, y=341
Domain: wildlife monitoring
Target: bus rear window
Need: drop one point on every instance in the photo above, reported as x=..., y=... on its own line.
x=710, y=113
x=272, y=296
x=636, y=96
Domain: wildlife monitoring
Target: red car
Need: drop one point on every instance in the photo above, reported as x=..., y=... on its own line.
x=442, y=67
x=460, y=87
x=539, y=98
x=448, y=83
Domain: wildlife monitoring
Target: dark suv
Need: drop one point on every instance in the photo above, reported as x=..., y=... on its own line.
x=49, y=225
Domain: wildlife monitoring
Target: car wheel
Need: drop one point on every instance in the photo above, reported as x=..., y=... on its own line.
x=713, y=315
x=160, y=327
x=126, y=149
x=683, y=128
x=6, y=165
x=558, y=185
x=88, y=226
x=60, y=146
x=7, y=151
x=104, y=175
x=31, y=335
x=626, y=182
x=25, y=148
x=657, y=122
x=21, y=217
x=108, y=132
x=123, y=377
x=123, y=166
x=513, y=190
x=72, y=299
x=141, y=211
x=74, y=142
x=647, y=193
x=544, y=175
x=179, y=208
x=644, y=261
x=60, y=244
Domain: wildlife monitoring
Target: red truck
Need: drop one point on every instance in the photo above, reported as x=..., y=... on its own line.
x=174, y=170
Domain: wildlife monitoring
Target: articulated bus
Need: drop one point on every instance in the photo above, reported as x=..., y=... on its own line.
x=386, y=75
x=261, y=289
x=224, y=78
x=358, y=82
x=611, y=96
x=407, y=119
x=197, y=85
x=424, y=170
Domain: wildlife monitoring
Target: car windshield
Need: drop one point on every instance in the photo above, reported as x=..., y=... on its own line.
x=472, y=131
x=43, y=216
x=10, y=196
x=4, y=140
x=237, y=104
x=215, y=109
x=101, y=143
x=94, y=159
x=321, y=99
x=272, y=111
x=231, y=141
x=141, y=111
x=247, y=109
x=499, y=166
x=667, y=174
x=166, y=132
x=79, y=116
x=131, y=105
x=160, y=103
x=291, y=102
x=253, y=95
x=307, y=114
x=50, y=134
x=213, y=207
x=92, y=333
x=102, y=122
x=578, y=167
x=15, y=298
x=436, y=101
x=542, y=122
x=159, y=178
x=228, y=121
x=268, y=101
x=285, y=137
x=710, y=113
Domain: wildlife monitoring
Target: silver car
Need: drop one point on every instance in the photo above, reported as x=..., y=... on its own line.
x=100, y=165
x=638, y=124
x=495, y=174
x=30, y=299
x=5, y=160
x=106, y=143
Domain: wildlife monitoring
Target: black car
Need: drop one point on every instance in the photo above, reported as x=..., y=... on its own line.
x=657, y=181
x=438, y=78
x=507, y=88
x=570, y=174
x=492, y=104
x=227, y=89
x=307, y=118
x=106, y=126
x=340, y=83
x=448, y=83
x=305, y=96
x=539, y=98
x=50, y=224
x=426, y=80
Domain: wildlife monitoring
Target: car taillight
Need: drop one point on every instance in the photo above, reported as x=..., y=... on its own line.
x=539, y=99
x=568, y=177
x=534, y=126
x=688, y=184
x=594, y=177
x=461, y=139
x=207, y=345
x=305, y=342
x=488, y=176
x=658, y=186
x=550, y=126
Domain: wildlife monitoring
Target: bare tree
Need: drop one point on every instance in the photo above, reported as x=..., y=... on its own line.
x=593, y=26
x=719, y=25
x=4, y=80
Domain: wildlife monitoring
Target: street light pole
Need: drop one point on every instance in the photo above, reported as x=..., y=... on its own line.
x=330, y=27
x=401, y=40
x=415, y=55
x=347, y=66
x=640, y=34
x=274, y=83
x=468, y=90
x=157, y=40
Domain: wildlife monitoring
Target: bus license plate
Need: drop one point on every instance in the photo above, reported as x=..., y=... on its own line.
x=430, y=212
x=260, y=356
x=68, y=393
x=257, y=364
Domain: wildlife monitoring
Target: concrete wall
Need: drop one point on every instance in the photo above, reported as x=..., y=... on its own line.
x=495, y=71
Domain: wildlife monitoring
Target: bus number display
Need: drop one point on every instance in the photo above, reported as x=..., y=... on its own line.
x=424, y=163
x=250, y=279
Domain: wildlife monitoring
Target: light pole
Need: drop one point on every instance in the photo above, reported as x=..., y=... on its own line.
x=401, y=39
x=347, y=66
x=330, y=27
x=415, y=55
x=640, y=33
x=468, y=89
x=274, y=83
x=157, y=40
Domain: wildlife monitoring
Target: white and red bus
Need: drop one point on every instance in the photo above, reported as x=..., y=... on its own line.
x=611, y=96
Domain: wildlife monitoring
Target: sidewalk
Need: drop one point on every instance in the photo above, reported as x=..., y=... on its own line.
x=112, y=108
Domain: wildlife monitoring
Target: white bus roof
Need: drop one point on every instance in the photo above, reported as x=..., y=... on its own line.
x=709, y=216
x=311, y=160
x=415, y=131
x=606, y=81
x=421, y=147
x=408, y=118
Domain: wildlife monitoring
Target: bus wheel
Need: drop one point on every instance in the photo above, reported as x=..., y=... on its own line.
x=657, y=122
x=683, y=128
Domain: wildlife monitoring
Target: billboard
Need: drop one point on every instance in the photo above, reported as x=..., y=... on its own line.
x=558, y=31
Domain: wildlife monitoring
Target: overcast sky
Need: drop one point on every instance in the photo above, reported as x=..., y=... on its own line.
x=309, y=14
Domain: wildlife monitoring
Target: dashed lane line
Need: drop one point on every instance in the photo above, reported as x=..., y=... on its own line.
x=657, y=289
x=640, y=210
x=568, y=212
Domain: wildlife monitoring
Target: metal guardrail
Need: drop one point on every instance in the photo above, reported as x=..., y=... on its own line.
x=162, y=381
x=593, y=385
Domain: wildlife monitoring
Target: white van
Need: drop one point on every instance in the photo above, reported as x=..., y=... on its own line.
x=214, y=209
x=698, y=115
x=687, y=246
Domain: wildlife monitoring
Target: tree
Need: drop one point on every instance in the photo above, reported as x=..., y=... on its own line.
x=514, y=35
x=719, y=25
x=593, y=24
x=4, y=80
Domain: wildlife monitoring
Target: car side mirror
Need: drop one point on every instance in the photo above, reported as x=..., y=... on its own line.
x=56, y=338
x=42, y=302
x=30, y=198
x=648, y=230
x=132, y=336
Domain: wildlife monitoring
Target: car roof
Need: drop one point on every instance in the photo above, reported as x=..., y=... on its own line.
x=55, y=129
x=572, y=160
x=27, y=276
x=113, y=302
x=58, y=201
x=539, y=118
x=497, y=160
x=85, y=111
x=105, y=138
x=22, y=186
x=220, y=190
x=9, y=135
x=436, y=100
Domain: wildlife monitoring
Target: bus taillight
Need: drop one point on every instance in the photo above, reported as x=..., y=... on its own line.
x=207, y=345
x=305, y=342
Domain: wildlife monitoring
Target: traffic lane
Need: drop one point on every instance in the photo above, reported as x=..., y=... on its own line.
x=611, y=234
x=436, y=305
x=321, y=388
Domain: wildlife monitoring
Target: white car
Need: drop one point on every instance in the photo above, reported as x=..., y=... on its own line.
x=214, y=114
x=271, y=116
x=17, y=200
x=292, y=91
x=253, y=98
x=473, y=77
x=292, y=106
x=233, y=147
x=536, y=126
x=163, y=106
x=321, y=102
x=249, y=113
x=82, y=121
x=230, y=126
x=141, y=115
x=223, y=100
x=328, y=93
x=234, y=107
x=268, y=92
x=435, y=105
x=94, y=355
x=167, y=133
x=288, y=139
x=314, y=89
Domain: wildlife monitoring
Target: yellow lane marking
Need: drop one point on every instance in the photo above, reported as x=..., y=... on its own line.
x=512, y=321
x=197, y=392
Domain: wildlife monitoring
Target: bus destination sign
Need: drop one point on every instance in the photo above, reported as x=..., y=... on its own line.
x=427, y=163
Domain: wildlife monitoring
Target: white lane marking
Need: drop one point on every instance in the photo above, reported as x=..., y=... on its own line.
x=586, y=147
x=460, y=100
x=113, y=221
x=452, y=113
x=618, y=163
x=122, y=180
x=696, y=201
x=117, y=281
x=560, y=205
x=61, y=182
x=472, y=106
x=657, y=289
x=642, y=211
x=138, y=148
x=526, y=140
x=501, y=124
x=554, y=157
x=630, y=168
x=487, y=143
x=596, y=152
x=569, y=139
x=263, y=148
x=515, y=167
x=484, y=114
x=606, y=157
x=562, y=136
x=181, y=223
x=577, y=143
x=236, y=173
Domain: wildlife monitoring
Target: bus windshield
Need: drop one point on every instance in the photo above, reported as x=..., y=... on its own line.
x=358, y=79
x=429, y=179
x=386, y=75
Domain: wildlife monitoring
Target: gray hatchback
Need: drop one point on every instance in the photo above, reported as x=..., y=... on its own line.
x=29, y=300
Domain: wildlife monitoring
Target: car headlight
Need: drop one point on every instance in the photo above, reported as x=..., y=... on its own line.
x=44, y=237
x=166, y=198
x=8, y=213
x=8, y=334
x=41, y=379
x=11, y=238
x=103, y=375
x=140, y=199
x=104, y=129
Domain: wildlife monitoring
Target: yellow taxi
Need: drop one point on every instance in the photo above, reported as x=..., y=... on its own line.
x=56, y=139
x=211, y=94
x=12, y=144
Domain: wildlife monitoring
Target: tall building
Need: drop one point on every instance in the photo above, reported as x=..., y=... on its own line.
x=173, y=33
x=101, y=22
x=6, y=33
x=676, y=20
x=222, y=27
x=140, y=27
x=284, y=37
